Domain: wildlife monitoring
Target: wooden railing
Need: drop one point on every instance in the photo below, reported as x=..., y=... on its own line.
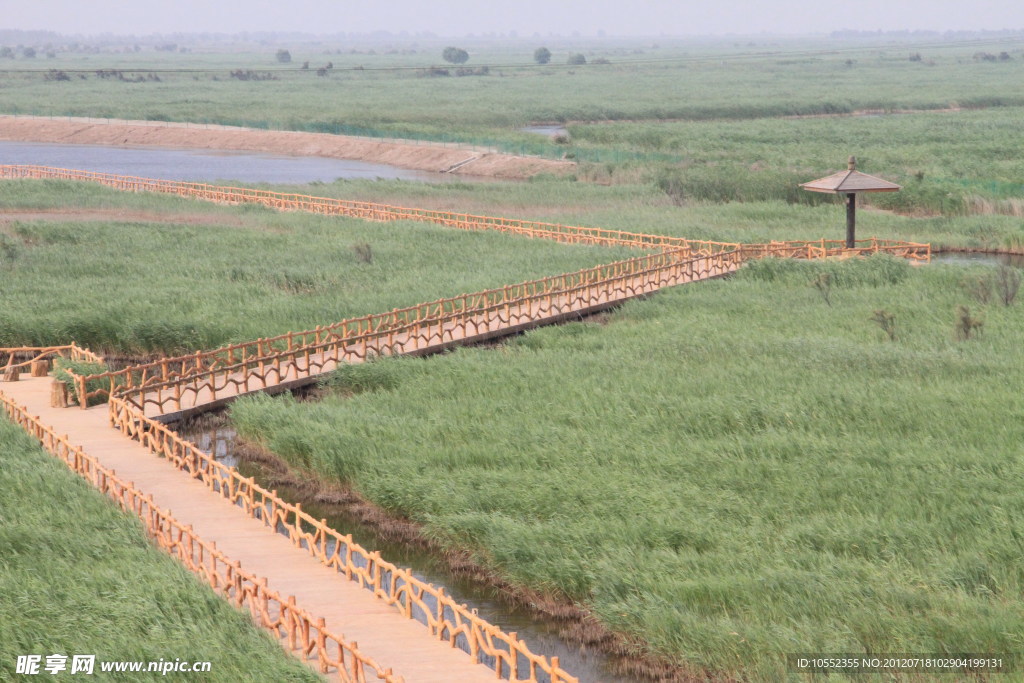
x=32, y=354
x=494, y=312
x=175, y=384
x=297, y=629
x=914, y=251
x=369, y=210
x=416, y=329
x=446, y=619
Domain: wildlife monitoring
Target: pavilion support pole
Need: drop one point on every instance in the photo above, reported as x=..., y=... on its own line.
x=851, y=220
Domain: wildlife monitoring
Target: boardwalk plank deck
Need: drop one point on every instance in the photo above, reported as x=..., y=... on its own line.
x=382, y=632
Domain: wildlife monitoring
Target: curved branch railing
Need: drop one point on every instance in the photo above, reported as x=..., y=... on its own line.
x=367, y=210
x=180, y=382
x=299, y=631
x=419, y=328
x=445, y=619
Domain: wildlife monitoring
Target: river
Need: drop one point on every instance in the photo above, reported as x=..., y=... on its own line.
x=208, y=166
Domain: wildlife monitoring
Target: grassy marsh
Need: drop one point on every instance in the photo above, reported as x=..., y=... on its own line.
x=132, y=285
x=730, y=471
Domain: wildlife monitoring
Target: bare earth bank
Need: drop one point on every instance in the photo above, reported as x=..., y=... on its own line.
x=419, y=157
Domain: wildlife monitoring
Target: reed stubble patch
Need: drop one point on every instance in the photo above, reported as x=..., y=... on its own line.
x=708, y=478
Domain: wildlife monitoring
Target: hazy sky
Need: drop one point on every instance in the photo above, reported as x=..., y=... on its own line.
x=526, y=17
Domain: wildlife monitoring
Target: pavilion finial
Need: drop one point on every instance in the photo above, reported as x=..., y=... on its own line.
x=852, y=163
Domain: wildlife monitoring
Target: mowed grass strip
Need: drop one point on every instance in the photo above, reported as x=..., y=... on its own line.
x=78, y=576
x=730, y=471
x=135, y=286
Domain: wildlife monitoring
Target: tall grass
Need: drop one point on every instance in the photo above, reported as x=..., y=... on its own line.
x=137, y=286
x=730, y=471
x=78, y=576
x=784, y=212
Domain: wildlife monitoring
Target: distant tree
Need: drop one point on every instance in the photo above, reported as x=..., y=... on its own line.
x=6, y=52
x=29, y=53
x=542, y=55
x=1004, y=57
x=915, y=57
x=284, y=56
x=305, y=65
x=455, y=55
x=576, y=59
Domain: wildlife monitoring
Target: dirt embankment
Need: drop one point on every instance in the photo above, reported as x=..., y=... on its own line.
x=414, y=156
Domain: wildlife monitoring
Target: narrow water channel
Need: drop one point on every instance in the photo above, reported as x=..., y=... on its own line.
x=956, y=258
x=216, y=436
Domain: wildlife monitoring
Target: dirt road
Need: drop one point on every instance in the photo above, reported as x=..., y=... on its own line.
x=420, y=157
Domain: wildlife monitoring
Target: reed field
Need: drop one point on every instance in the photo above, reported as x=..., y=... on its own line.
x=652, y=80
x=162, y=274
x=78, y=576
x=730, y=471
x=803, y=457
x=647, y=208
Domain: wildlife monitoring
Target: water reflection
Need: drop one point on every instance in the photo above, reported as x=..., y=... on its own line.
x=548, y=130
x=978, y=259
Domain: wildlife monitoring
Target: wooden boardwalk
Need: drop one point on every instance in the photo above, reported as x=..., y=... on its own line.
x=225, y=512
x=381, y=631
x=180, y=398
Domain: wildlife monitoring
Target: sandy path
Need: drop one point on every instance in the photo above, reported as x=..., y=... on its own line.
x=420, y=157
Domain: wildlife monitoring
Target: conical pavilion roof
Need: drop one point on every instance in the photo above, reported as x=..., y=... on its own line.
x=850, y=181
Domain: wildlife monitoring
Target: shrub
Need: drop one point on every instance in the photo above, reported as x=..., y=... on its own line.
x=542, y=55
x=576, y=59
x=284, y=56
x=967, y=326
x=455, y=55
x=823, y=283
x=363, y=252
x=469, y=71
x=1007, y=282
x=887, y=321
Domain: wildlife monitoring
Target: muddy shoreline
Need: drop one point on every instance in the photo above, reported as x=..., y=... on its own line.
x=412, y=155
